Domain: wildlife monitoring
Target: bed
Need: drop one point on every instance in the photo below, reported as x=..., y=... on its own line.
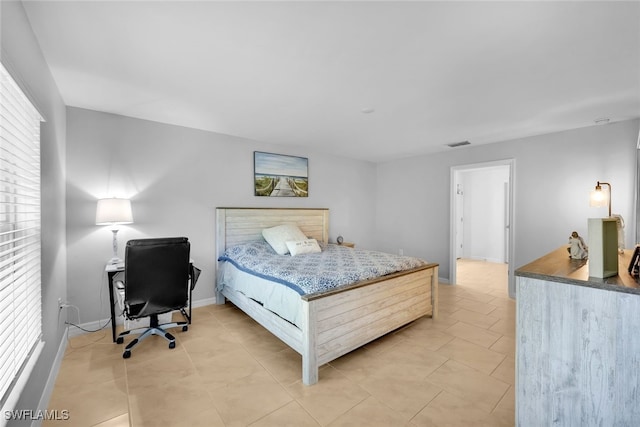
x=334, y=322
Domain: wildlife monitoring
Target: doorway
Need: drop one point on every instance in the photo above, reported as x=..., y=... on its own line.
x=482, y=216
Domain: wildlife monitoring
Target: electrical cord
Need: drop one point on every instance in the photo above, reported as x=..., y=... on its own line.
x=88, y=330
x=69, y=341
x=77, y=325
x=66, y=305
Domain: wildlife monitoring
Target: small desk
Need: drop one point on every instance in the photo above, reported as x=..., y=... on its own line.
x=113, y=269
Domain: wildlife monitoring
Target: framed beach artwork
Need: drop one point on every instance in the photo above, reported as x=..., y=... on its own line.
x=277, y=175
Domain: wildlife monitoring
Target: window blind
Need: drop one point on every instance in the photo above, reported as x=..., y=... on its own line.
x=20, y=243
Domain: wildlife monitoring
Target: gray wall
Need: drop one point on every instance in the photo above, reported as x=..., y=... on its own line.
x=176, y=177
x=554, y=174
x=22, y=57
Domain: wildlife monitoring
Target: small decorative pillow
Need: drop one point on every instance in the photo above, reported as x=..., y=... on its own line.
x=279, y=235
x=300, y=247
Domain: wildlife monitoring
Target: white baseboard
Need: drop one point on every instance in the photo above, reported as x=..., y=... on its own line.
x=104, y=323
x=204, y=302
x=53, y=375
x=493, y=260
x=443, y=281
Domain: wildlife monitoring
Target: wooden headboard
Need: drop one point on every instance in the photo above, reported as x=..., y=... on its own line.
x=240, y=225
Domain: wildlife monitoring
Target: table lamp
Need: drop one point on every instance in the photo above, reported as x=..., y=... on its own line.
x=114, y=212
x=600, y=198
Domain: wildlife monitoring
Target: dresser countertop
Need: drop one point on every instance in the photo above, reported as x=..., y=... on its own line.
x=557, y=266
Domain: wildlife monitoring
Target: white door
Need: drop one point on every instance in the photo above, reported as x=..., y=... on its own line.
x=460, y=221
x=507, y=224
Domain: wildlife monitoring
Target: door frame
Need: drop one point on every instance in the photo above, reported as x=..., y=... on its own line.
x=455, y=180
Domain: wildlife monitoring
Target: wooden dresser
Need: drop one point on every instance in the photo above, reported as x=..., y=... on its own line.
x=577, y=344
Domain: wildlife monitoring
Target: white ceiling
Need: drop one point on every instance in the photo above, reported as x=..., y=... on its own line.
x=300, y=73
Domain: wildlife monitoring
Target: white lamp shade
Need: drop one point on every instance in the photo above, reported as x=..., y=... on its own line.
x=114, y=211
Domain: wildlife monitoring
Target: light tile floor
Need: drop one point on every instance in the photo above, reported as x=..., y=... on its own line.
x=228, y=371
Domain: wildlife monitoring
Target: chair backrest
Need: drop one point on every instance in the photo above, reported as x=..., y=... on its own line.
x=156, y=275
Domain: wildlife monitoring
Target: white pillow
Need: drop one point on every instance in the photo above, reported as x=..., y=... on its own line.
x=299, y=247
x=279, y=235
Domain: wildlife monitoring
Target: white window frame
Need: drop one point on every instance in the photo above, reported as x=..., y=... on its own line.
x=20, y=241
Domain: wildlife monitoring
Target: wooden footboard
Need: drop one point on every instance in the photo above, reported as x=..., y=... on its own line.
x=335, y=324
x=341, y=322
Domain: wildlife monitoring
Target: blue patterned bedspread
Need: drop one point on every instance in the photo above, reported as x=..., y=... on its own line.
x=316, y=272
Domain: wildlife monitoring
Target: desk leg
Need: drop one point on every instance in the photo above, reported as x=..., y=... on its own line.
x=184, y=312
x=113, y=310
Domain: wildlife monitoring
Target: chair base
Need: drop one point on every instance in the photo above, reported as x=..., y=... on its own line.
x=148, y=331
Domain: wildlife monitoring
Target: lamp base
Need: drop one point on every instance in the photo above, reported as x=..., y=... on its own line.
x=115, y=260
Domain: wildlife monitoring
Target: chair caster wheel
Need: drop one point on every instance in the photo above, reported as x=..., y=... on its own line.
x=126, y=354
x=172, y=344
x=120, y=340
x=185, y=328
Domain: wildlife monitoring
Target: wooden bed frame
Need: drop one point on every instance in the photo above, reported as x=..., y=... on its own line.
x=336, y=322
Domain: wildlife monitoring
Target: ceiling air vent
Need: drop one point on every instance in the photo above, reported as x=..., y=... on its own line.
x=458, y=144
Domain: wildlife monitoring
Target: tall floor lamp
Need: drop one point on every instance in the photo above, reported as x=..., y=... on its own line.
x=114, y=212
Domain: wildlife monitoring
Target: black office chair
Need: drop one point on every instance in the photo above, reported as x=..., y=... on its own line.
x=156, y=281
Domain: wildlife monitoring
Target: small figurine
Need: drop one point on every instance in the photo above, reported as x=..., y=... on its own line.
x=577, y=248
